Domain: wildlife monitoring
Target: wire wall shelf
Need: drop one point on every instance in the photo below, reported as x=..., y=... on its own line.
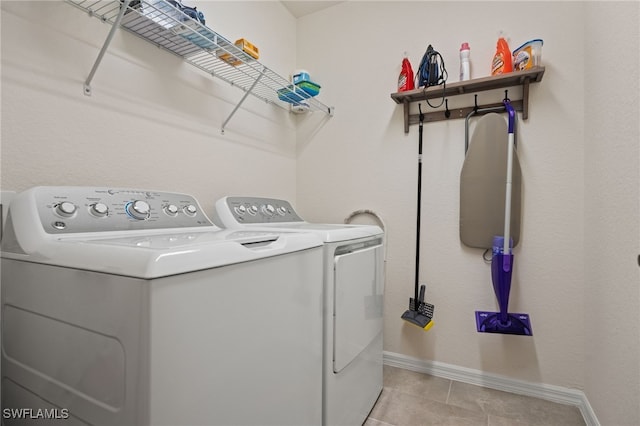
x=165, y=26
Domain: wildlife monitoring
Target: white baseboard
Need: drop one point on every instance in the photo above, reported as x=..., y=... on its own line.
x=476, y=377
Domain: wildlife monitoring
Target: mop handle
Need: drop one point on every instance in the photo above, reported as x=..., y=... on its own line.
x=421, y=121
x=507, y=199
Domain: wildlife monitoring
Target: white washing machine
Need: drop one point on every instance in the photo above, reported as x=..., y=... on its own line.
x=353, y=285
x=130, y=307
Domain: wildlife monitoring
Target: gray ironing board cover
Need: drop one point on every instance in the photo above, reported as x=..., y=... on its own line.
x=482, y=185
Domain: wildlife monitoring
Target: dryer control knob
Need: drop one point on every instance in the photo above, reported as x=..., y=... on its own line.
x=99, y=210
x=268, y=210
x=281, y=210
x=138, y=209
x=190, y=210
x=240, y=210
x=65, y=209
x=253, y=210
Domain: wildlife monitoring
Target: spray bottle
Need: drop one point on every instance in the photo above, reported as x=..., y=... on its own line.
x=502, y=60
x=465, y=66
x=405, y=80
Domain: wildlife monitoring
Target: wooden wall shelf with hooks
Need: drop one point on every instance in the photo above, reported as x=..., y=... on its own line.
x=516, y=78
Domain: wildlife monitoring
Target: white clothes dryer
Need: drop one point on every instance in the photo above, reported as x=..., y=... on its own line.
x=353, y=301
x=131, y=307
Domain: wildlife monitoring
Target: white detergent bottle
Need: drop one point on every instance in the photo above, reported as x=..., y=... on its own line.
x=465, y=65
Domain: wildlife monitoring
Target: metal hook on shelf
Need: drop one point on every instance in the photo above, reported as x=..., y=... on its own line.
x=475, y=103
x=447, y=113
x=506, y=96
x=475, y=111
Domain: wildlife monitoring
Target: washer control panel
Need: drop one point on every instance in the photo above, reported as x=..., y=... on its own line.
x=85, y=209
x=260, y=210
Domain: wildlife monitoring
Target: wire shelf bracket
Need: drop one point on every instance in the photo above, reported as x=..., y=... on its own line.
x=105, y=46
x=224, y=124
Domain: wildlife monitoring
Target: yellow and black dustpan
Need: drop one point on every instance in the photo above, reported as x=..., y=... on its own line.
x=421, y=315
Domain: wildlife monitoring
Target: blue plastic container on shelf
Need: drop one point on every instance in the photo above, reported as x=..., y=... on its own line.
x=292, y=95
x=309, y=87
x=301, y=76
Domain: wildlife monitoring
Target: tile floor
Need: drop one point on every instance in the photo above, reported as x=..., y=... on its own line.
x=411, y=398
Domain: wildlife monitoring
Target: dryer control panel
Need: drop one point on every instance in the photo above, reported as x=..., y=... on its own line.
x=258, y=210
x=86, y=209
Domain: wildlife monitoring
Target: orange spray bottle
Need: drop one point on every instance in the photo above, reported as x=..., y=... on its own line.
x=502, y=61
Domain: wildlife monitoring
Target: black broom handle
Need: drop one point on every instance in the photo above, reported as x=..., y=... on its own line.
x=421, y=120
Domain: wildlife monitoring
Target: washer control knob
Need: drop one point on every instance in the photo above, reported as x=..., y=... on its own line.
x=190, y=210
x=240, y=210
x=253, y=210
x=99, y=210
x=268, y=210
x=171, y=209
x=138, y=209
x=281, y=210
x=65, y=209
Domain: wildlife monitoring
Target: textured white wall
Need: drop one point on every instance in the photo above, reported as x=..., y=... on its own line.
x=362, y=159
x=612, y=211
x=152, y=121
x=575, y=269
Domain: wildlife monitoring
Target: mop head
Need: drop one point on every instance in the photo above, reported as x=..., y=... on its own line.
x=421, y=317
x=490, y=322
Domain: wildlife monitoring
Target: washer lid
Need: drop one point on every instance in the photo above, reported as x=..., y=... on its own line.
x=137, y=233
x=156, y=255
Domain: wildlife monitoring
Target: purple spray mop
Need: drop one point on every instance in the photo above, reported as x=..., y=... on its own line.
x=502, y=262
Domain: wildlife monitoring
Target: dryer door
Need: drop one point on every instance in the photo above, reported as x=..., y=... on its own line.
x=358, y=290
